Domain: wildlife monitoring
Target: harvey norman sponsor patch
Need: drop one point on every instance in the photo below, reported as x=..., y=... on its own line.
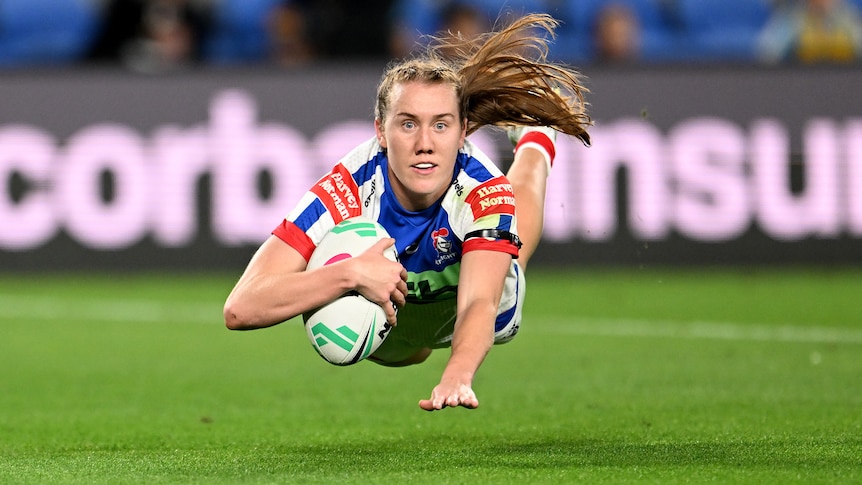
x=493, y=197
x=339, y=194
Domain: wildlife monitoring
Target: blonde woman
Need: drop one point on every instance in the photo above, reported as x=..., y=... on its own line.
x=463, y=230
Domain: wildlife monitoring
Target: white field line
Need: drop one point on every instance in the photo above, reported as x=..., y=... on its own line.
x=18, y=307
x=35, y=308
x=693, y=330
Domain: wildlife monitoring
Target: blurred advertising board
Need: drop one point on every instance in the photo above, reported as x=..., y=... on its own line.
x=703, y=165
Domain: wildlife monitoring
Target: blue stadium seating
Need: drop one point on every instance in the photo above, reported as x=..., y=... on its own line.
x=721, y=30
x=36, y=32
x=576, y=39
x=239, y=31
x=424, y=15
x=499, y=9
x=44, y=32
x=584, y=12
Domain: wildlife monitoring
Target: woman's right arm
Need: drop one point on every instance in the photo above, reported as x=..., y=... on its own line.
x=275, y=286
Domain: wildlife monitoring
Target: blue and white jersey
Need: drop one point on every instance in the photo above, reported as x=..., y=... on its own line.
x=429, y=242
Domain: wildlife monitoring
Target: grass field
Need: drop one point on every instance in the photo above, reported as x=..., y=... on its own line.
x=618, y=376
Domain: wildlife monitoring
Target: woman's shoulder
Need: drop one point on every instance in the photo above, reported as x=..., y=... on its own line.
x=363, y=153
x=477, y=167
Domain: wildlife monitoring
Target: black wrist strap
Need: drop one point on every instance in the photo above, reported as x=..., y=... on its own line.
x=495, y=234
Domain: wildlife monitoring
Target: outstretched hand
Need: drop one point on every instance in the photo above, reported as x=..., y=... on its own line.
x=450, y=395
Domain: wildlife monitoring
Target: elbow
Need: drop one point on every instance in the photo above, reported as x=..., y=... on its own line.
x=233, y=317
x=244, y=315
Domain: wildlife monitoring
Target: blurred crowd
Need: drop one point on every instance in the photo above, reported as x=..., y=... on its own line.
x=160, y=35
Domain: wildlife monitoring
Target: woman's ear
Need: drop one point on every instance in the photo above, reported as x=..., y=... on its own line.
x=378, y=130
x=463, y=132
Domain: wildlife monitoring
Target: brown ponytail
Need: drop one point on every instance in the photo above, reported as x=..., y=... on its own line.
x=502, y=78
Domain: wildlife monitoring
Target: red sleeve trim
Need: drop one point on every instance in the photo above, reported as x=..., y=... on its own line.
x=488, y=245
x=295, y=237
x=540, y=139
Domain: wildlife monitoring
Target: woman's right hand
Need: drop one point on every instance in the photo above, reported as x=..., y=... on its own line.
x=380, y=279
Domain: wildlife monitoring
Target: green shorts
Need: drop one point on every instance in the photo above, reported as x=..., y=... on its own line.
x=431, y=325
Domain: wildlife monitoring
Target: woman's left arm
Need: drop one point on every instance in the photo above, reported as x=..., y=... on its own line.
x=480, y=287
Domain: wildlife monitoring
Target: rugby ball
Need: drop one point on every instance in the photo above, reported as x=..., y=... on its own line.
x=350, y=328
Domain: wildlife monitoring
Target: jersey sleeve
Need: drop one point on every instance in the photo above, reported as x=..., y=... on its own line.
x=492, y=206
x=295, y=237
x=486, y=205
x=332, y=199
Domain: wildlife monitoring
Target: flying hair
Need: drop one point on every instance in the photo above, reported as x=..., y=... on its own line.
x=501, y=78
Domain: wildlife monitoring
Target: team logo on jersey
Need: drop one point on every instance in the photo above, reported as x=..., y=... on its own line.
x=441, y=244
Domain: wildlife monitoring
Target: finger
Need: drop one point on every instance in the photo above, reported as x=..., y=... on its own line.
x=389, y=310
x=436, y=402
x=433, y=404
x=382, y=245
x=465, y=398
x=398, y=298
x=471, y=401
x=426, y=405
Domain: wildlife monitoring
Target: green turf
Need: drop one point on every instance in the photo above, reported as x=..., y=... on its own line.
x=684, y=376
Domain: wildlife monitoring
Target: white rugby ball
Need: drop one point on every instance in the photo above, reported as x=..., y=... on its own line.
x=350, y=328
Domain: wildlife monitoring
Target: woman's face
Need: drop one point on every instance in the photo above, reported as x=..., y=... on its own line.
x=422, y=134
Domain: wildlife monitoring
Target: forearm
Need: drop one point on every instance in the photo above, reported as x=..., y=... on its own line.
x=266, y=299
x=471, y=341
